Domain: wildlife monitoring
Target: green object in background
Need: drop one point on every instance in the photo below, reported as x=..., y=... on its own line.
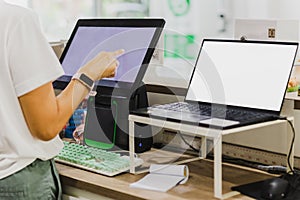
x=179, y=46
x=179, y=7
x=292, y=89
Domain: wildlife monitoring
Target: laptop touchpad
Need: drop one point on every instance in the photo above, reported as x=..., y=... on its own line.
x=219, y=122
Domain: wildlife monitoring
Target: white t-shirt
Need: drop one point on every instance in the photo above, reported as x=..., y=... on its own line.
x=26, y=62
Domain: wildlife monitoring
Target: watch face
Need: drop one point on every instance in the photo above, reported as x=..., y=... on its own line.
x=86, y=79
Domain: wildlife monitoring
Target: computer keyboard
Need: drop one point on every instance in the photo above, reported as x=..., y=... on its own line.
x=215, y=111
x=96, y=160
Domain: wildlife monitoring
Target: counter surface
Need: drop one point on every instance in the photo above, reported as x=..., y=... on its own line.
x=199, y=185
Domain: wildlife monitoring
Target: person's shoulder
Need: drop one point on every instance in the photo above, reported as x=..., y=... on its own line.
x=18, y=12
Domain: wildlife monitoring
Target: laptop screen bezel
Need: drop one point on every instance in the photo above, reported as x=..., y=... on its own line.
x=108, y=85
x=241, y=41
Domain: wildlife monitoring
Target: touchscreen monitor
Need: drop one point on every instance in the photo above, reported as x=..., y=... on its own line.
x=138, y=37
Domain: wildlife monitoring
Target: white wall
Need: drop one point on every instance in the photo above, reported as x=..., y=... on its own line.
x=263, y=9
x=204, y=21
x=18, y=2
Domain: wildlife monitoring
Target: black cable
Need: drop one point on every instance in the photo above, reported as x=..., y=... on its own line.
x=281, y=169
x=292, y=144
x=275, y=169
x=183, y=139
x=271, y=169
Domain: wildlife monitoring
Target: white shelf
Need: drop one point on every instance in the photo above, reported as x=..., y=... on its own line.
x=204, y=133
x=292, y=96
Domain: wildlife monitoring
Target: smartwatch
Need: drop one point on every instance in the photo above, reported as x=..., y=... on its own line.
x=85, y=80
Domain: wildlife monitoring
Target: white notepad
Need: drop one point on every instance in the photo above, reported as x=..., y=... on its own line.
x=163, y=177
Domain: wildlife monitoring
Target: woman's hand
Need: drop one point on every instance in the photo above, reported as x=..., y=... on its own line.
x=45, y=122
x=102, y=65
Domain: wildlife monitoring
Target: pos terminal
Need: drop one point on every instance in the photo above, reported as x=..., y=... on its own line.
x=106, y=124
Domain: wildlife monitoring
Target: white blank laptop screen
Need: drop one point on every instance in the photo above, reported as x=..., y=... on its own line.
x=252, y=75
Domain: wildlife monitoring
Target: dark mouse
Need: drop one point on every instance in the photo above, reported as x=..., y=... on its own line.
x=275, y=188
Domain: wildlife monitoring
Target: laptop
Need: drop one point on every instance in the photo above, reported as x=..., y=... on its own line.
x=234, y=83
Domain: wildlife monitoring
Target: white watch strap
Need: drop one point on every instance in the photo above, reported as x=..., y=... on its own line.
x=85, y=80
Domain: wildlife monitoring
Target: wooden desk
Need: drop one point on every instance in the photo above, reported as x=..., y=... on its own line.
x=199, y=185
x=204, y=133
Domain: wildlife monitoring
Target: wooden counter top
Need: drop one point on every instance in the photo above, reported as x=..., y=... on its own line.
x=199, y=185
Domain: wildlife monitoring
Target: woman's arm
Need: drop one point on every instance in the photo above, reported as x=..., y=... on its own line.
x=46, y=114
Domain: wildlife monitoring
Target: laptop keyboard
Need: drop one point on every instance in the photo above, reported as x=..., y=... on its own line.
x=214, y=111
x=95, y=159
